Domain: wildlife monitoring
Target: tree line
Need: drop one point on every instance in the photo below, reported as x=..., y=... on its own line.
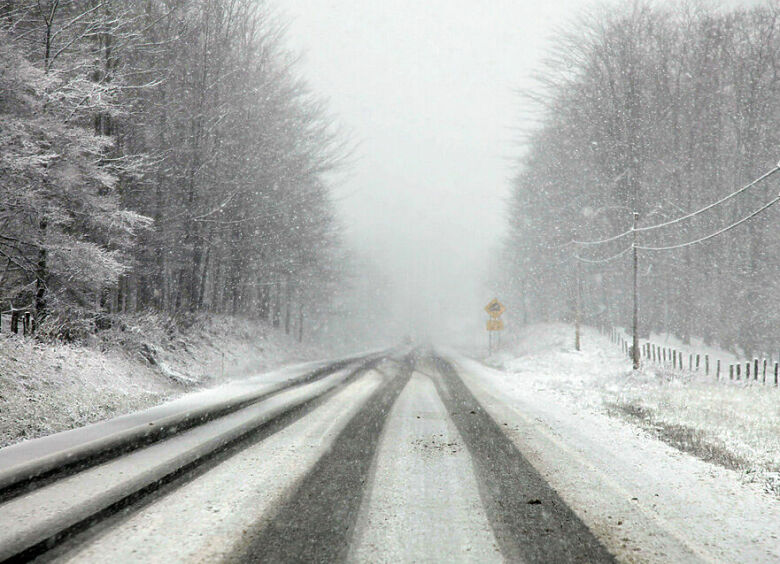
x=659, y=110
x=160, y=154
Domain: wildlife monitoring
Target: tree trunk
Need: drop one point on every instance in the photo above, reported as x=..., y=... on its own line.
x=40, y=278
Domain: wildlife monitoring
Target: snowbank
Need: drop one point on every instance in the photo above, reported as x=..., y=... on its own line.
x=45, y=388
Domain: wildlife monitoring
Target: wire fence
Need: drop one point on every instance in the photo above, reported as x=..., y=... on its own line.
x=765, y=371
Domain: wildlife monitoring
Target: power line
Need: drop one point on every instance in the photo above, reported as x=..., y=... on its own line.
x=709, y=207
x=602, y=241
x=634, y=248
x=706, y=238
x=561, y=246
x=599, y=261
x=684, y=217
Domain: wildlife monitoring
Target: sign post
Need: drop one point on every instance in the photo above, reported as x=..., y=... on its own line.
x=495, y=324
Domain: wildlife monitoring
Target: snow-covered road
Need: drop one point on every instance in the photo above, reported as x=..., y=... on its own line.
x=411, y=458
x=206, y=518
x=423, y=502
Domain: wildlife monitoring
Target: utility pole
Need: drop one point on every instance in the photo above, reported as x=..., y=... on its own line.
x=635, y=324
x=300, y=322
x=577, y=300
x=578, y=307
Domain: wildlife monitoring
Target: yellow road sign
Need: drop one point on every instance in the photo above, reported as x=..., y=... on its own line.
x=495, y=308
x=495, y=325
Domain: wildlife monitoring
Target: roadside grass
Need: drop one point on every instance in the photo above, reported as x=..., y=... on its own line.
x=50, y=387
x=734, y=426
x=684, y=438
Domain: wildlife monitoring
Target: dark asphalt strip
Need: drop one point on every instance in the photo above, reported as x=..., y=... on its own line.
x=529, y=519
x=316, y=523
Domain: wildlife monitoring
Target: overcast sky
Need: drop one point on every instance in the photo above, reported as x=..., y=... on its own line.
x=428, y=90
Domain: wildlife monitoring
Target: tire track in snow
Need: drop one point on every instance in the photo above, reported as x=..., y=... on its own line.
x=423, y=503
x=529, y=519
x=317, y=522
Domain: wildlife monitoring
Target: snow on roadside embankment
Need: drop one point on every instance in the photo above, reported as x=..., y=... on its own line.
x=733, y=424
x=50, y=387
x=648, y=500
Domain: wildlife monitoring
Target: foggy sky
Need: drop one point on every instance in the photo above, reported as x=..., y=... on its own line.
x=428, y=91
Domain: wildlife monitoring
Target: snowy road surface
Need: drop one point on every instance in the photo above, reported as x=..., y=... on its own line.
x=423, y=473
x=399, y=458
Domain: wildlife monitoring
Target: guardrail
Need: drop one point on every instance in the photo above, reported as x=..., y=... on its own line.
x=27, y=465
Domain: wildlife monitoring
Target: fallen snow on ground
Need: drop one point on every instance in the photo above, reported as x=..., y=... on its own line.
x=618, y=446
x=45, y=388
x=734, y=424
x=49, y=388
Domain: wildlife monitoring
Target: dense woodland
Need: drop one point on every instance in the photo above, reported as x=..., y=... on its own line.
x=659, y=110
x=163, y=155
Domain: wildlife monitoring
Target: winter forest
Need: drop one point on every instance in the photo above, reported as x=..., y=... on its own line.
x=662, y=111
x=167, y=156
x=160, y=155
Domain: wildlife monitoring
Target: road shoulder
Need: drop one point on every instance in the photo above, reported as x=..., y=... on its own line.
x=646, y=501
